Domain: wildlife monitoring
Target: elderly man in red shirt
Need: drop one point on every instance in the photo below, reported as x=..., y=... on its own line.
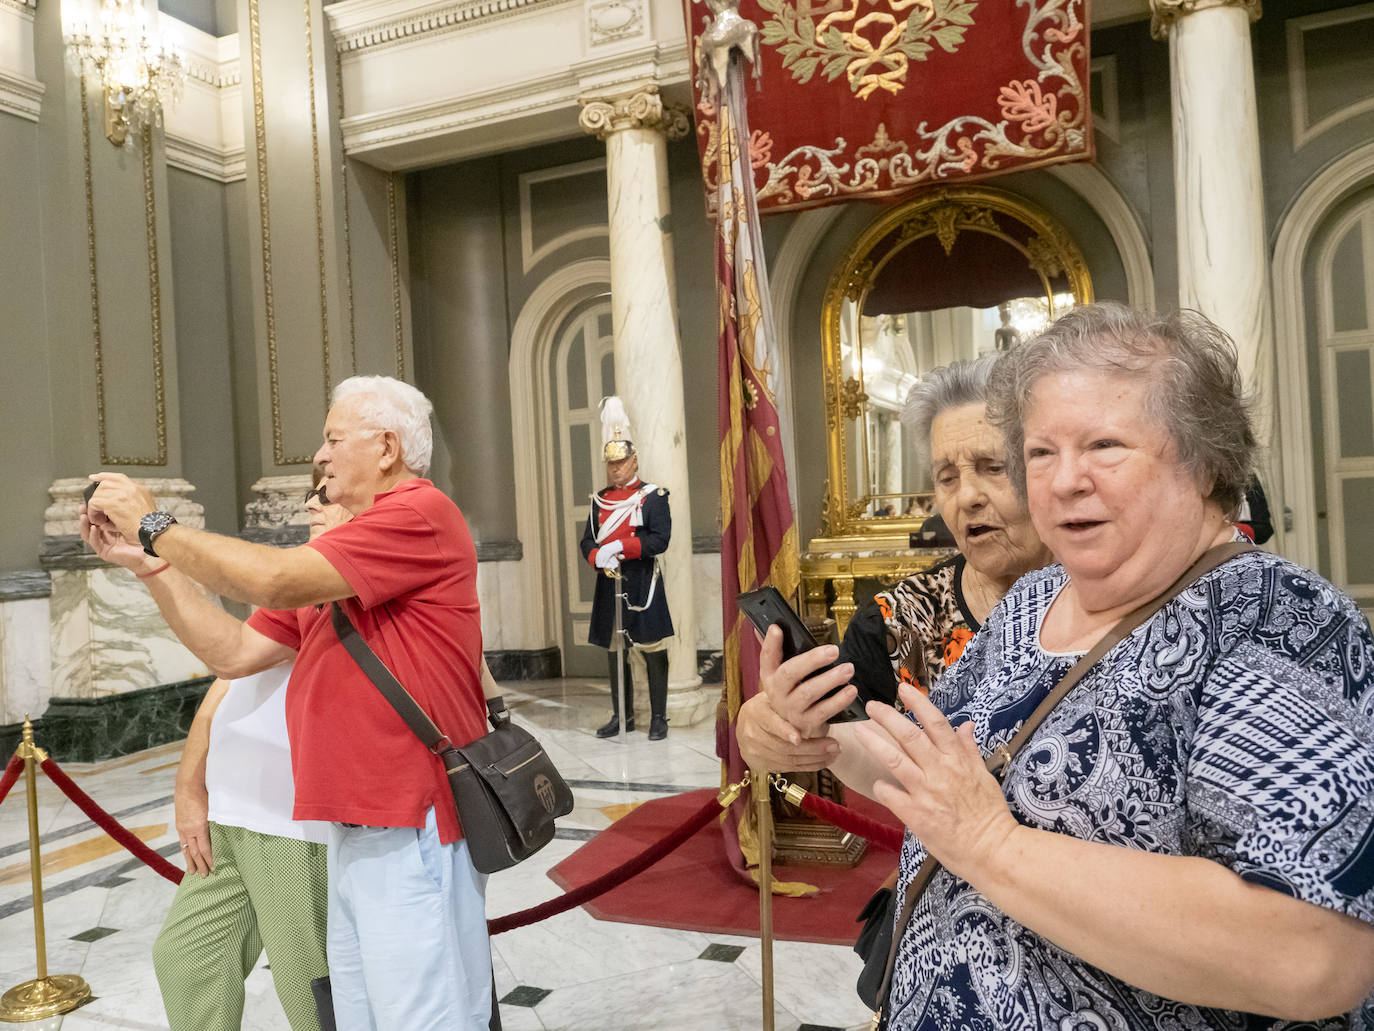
x=407, y=940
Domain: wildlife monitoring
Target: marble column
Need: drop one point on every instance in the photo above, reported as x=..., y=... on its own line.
x=648, y=363
x=1222, y=252
x=108, y=636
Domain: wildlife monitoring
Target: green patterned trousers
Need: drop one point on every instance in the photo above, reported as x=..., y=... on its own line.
x=266, y=892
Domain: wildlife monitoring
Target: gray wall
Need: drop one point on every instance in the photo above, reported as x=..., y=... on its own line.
x=205, y=344
x=26, y=415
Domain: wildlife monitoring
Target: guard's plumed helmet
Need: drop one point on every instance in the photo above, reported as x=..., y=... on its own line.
x=616, y=445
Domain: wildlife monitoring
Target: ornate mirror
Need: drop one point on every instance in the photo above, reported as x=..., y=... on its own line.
x=959, y=272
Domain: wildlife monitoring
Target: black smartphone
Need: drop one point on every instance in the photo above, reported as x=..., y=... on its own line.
x=90, y=489
x=766, y=607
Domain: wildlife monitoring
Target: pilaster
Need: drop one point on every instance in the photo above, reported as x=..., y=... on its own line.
x=301, y=326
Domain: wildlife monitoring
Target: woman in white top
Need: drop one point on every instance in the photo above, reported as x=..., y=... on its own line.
x=256, y=879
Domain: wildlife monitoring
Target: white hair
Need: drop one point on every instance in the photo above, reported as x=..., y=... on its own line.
x=388, y=404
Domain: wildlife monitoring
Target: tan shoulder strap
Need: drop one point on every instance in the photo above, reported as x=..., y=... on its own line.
x=1003, y=757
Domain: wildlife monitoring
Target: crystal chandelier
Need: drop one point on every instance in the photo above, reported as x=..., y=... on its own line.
x=114, y=45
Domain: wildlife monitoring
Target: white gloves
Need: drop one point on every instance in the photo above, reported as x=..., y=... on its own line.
x=608, y=556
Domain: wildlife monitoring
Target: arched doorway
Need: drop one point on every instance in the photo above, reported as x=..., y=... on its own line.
x=1341, y=395
x=581, y=372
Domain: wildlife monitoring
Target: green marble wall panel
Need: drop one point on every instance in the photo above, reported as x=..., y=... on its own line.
x=92, y=729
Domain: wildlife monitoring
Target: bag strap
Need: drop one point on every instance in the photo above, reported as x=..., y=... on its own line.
x=401, y=700
x=1001, y=759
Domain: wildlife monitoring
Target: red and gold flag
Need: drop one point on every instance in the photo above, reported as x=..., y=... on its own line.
x=758, y=527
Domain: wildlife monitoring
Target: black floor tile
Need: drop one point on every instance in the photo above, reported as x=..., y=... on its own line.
x=722, y=953
x=525, y=995
x=95, y=934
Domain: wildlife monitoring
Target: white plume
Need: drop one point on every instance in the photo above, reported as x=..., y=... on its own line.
x=615, y=424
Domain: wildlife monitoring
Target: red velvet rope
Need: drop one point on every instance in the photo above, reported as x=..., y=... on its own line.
x=12, y=771
x=611, y=878
x=109, y=824
x=879, y=834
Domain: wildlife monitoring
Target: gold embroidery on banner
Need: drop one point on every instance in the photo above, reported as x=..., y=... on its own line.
x=1042, y=119
x=154, y=295
x=347, y=239
x=394, y=249
x=319, y=202
x=843, y=42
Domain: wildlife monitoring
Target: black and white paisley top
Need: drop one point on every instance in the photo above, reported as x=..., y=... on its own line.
x=910, y=633
x=1237, y=725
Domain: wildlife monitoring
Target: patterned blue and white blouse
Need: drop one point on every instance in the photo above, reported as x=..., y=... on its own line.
x=1236, y=725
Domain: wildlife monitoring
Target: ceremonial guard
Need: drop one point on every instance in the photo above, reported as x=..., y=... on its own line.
x=627, y=529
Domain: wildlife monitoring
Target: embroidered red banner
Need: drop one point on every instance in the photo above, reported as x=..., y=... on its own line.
x=862, y=99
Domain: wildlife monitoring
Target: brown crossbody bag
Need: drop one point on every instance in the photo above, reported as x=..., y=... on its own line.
x=999, y=762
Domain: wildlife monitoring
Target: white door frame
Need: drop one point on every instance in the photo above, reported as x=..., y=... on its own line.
x=536, y=508
x=1330, y=341
x=1296, y=487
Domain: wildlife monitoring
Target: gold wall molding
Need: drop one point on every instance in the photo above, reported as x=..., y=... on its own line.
x=394, y=251
x=347, y=236
x=319, y=201
x=159, y=456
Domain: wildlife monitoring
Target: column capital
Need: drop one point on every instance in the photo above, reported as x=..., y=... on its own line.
x=639, y=107
x=1164, y=13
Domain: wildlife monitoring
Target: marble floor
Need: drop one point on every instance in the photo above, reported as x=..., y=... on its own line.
x=103, y=909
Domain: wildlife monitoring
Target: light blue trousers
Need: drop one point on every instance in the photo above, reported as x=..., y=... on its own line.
x=407, y=940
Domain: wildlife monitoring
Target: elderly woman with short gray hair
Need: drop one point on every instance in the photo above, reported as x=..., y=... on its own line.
x=913, y=631
x=1186, y=839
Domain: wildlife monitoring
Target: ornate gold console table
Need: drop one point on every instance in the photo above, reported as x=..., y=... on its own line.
x=831, y=566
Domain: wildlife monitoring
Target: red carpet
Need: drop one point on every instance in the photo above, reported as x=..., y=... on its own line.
x=694, y=889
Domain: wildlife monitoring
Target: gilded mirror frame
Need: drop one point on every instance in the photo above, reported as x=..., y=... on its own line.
x=944, y=213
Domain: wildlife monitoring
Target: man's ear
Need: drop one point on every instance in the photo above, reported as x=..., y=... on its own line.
x=391, y=450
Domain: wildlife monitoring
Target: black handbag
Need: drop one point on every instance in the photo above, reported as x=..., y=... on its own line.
x=875, y=940
x=504, y=784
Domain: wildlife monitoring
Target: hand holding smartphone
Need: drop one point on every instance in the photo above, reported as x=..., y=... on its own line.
x=766, y=607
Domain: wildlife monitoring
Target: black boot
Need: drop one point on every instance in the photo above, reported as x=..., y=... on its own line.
x=612, y=728
x=657, y=664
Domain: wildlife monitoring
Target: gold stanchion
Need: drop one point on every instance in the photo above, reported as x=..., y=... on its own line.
x=44, y=996
x=763, y=820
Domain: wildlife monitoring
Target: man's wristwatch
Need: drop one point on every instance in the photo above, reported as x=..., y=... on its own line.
x=151, y=526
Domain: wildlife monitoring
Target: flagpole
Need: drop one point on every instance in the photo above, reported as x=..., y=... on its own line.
x=763, y=822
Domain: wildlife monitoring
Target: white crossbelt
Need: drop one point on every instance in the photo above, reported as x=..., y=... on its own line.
x=614, y=515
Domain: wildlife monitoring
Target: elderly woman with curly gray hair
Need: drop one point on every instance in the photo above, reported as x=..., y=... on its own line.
x=1186, y=839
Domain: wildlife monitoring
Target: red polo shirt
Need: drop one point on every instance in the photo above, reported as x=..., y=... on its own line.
x=411, y=561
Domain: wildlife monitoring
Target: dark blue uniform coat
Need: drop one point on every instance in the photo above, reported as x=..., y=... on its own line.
x=655, y=622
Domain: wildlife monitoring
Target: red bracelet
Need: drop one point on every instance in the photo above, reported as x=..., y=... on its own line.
x=160, y=569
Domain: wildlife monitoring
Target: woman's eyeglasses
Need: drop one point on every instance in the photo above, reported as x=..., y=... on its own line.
x=318, y=492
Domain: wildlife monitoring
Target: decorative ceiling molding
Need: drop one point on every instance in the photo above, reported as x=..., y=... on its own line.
x=204, y=130
x=469, y=124
x=225, y=166
x=364, y=24
x=20, y=91
x=20, y=95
